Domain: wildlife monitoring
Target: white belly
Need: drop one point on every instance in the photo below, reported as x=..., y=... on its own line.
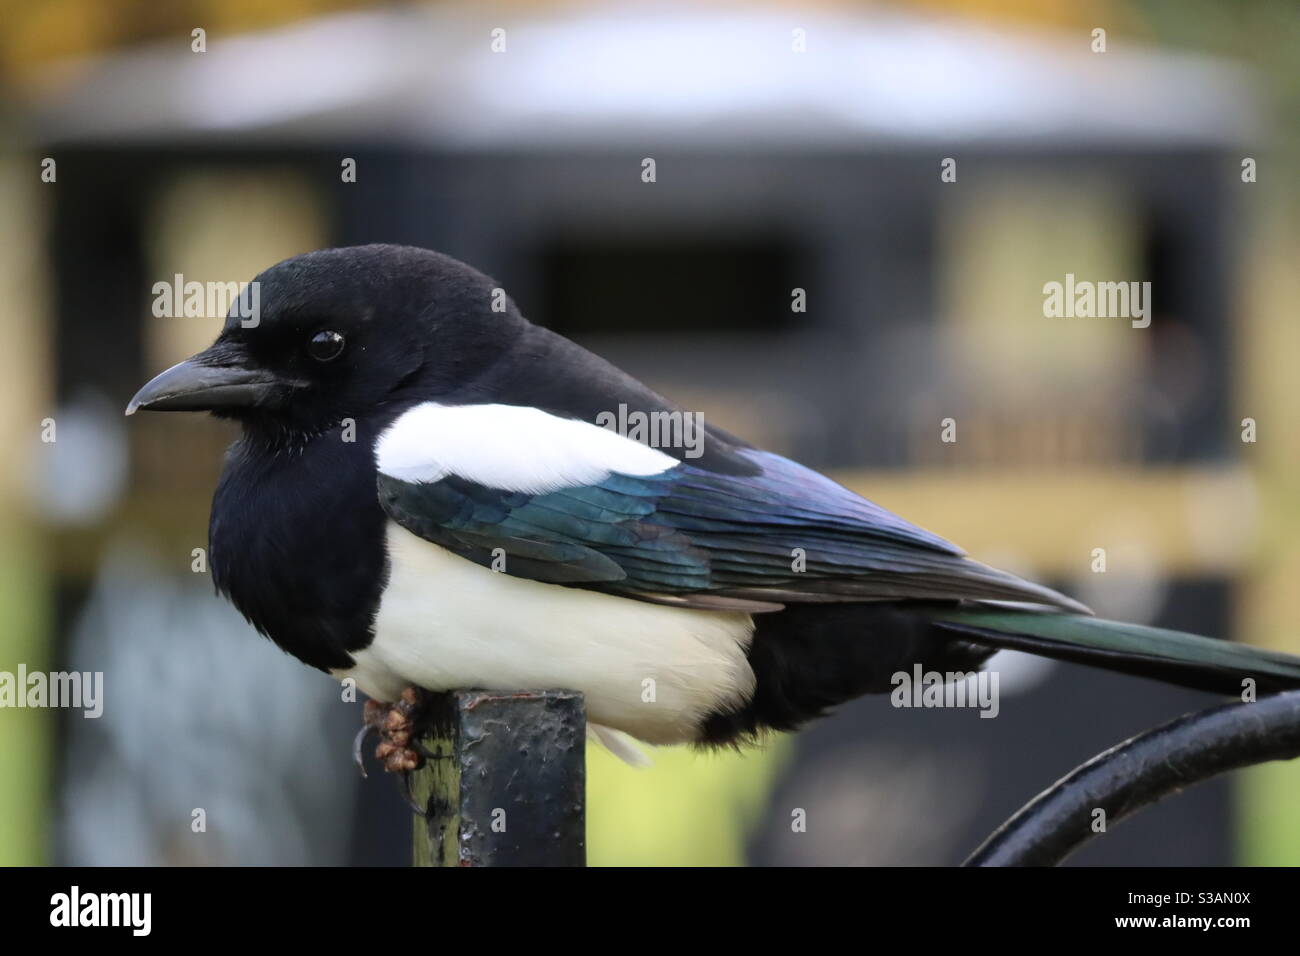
x=652, y=671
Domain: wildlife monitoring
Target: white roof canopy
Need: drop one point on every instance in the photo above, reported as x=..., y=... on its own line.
x=648, y=74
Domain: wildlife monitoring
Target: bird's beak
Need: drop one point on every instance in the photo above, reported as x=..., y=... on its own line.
x=219, y=377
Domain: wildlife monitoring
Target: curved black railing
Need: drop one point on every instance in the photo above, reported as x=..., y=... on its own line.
x=1141, y=770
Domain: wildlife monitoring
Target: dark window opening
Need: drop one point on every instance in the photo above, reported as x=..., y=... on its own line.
x=665, y=285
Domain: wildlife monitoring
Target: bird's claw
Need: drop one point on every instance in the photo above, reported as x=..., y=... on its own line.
x=422, y=750
x=404, y=787
x=399, y=747
x=358, y=745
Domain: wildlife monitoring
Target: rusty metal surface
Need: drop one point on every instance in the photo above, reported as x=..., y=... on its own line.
x=507, y=783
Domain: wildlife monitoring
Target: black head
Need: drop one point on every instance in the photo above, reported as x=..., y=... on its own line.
x=341, y=333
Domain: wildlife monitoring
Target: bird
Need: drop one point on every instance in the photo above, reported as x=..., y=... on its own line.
x=427, y=495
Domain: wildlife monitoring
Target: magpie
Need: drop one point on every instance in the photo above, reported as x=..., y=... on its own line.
x=423, y=498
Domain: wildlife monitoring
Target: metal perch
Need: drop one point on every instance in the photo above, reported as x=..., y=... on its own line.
x=505, y=784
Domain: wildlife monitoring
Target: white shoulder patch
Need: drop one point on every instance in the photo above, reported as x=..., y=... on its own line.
x=510, y=447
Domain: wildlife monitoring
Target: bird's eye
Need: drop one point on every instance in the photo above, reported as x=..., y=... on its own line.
x=325, y=346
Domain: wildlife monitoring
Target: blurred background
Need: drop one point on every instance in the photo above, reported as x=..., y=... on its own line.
x=794, y=147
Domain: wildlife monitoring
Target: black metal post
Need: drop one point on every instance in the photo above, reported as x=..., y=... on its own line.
x=1140, y=771
x=506, y=783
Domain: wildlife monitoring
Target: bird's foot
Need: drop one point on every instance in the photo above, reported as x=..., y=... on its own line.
x=399, y=749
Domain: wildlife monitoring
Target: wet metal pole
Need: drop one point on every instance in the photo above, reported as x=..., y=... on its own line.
x=506, y=781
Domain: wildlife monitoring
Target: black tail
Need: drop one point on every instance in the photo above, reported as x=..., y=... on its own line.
x=1176, y=657
x=809, y=657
